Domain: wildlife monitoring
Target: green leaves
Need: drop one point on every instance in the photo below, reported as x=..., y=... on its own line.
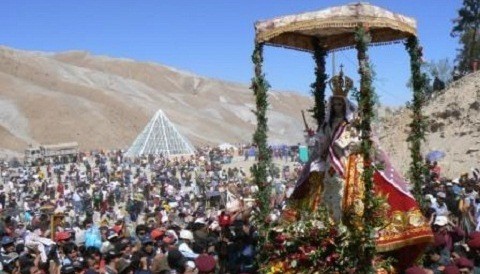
x=365, y=239
x=263, y=168
x=319, y=86
x=468, y=17
x=466, y=26
x=418, y=125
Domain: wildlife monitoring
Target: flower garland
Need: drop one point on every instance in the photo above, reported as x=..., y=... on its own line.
x=261, y=170
x=319, y=86
x=419, y=121
x=365, y=238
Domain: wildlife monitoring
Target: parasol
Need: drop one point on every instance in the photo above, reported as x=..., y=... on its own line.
x=334, y=27
x=435, y=155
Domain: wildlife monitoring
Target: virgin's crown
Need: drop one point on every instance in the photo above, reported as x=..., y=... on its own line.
x=341, y=84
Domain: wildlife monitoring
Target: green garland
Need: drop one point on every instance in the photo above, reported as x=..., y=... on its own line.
x=366, y=240
x=261, y=169
x=319, y=86
x=418, y=125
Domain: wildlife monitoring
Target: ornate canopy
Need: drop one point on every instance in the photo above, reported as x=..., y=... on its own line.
x=334, y=27
x=355, y=25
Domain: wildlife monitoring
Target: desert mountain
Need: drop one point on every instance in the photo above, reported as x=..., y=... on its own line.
x=103, y=102
x=453, y=127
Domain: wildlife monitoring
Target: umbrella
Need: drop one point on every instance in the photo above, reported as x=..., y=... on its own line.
x=334, y=28
x=435, y=155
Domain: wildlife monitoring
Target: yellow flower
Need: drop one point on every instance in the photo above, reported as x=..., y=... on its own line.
x=276, y=268
x=381, y=271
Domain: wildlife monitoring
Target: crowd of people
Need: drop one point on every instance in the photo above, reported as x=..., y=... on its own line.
x=453, y=209
x=107, y=213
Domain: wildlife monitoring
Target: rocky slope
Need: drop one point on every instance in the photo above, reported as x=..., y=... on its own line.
x=453, y=127
x=103, y=102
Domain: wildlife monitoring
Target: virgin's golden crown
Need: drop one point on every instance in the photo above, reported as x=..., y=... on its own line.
x=341, y=85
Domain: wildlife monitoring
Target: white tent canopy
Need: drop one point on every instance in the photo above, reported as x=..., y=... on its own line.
x=227, y=146
x=160, y=137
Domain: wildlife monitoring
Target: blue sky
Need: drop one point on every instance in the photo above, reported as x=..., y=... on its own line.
x=214, y=38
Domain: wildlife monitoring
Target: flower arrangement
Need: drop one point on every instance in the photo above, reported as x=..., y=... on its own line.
x=314, y=244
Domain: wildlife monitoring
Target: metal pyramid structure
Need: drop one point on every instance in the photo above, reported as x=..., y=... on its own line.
x=160, y=137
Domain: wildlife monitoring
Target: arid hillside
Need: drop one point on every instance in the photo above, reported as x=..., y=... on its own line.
x=454, y=128
x=103, y=102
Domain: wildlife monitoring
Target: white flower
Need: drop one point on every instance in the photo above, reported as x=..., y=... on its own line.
x=319, y=224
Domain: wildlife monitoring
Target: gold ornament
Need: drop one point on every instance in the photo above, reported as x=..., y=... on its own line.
x=340, y=85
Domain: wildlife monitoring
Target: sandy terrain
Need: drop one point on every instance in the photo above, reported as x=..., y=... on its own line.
x=454, y=127
x=102, y=103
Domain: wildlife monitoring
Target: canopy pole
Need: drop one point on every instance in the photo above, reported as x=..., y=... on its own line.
x=261, y=169
x=260, y=88
x=365, y=238
x=419, y=121
x=319, y=86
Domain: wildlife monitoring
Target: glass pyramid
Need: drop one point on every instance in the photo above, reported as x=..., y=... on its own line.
x=160, y=137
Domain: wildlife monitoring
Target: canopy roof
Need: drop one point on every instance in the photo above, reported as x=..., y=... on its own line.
x=334, y=27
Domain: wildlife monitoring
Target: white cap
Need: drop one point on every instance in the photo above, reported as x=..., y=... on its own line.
x=214, y=225
x=200, y=220
x=186, y=235
x=429, y=197
x=441, y=220
x=191, y=264
x=172, y=233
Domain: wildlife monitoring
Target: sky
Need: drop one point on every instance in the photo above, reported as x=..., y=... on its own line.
x=215, y=38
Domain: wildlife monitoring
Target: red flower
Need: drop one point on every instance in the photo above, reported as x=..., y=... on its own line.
x=332, y=258
x=268, y=246
x=309, y=249
x=295, y=256
x=303, y=258
x=333, y=232
x=327, y=242
x=314, y=233
x=280, y=238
